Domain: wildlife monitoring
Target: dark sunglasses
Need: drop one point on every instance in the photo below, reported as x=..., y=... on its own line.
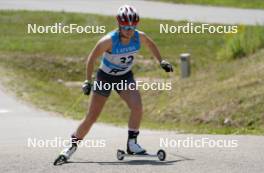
x=127, y=28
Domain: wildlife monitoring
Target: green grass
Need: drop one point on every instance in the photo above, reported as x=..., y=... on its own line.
x=220, y=88
x=199, y=105
x=247, y=42
x=258, y=4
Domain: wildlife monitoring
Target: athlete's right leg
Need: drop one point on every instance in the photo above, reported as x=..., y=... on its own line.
x=95, y=108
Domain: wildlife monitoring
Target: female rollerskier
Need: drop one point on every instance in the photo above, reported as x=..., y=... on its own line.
x=118, y=49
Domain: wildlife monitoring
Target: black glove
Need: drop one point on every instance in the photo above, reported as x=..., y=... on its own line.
x=87, y=87
x=166, y=66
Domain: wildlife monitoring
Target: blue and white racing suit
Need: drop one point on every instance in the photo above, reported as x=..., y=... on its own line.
x=116, y=65
x=120, y=60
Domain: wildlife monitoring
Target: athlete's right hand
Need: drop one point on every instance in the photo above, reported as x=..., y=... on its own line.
x=87, y=87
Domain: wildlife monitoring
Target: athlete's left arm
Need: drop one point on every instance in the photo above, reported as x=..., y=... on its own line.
x=155, y=51
x=147, y=41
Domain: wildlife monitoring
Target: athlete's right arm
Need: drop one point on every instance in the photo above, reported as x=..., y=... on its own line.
x=103, y=45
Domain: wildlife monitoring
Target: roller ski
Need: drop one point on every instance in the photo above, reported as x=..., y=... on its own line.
x=135, y=150
x=161, y=155
x=65, y=155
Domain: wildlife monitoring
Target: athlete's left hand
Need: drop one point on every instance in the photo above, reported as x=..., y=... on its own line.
x=166, y=66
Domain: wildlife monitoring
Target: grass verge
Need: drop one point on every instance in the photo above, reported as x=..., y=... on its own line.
x=246, y=43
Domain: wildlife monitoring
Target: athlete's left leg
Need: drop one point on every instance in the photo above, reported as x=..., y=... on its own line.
x=133, y=100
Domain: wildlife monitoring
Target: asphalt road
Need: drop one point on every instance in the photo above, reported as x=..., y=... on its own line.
x=20, y=122
x=156, y=10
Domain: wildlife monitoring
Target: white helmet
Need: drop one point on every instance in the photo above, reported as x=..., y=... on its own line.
x=127, y=16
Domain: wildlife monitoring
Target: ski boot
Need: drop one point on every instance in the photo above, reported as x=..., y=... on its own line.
x=132, y=146
x=65, y=155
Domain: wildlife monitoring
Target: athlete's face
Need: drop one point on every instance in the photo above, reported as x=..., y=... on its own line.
x=127, y=31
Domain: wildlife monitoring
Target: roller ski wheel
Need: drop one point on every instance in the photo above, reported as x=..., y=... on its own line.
x=120, y=154
x=161, y=155
x=61, y=159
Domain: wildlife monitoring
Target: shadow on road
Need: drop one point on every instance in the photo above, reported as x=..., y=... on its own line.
x=136, y=162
